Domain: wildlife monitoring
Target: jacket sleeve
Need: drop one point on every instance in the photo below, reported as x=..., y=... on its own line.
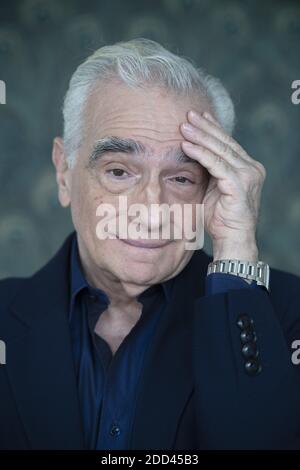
x=242, y=406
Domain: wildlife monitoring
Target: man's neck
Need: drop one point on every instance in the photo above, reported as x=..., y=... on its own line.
x=121, y=294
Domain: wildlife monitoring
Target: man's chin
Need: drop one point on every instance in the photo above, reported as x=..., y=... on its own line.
x=141, y=278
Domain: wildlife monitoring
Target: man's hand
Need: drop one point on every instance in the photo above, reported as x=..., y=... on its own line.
x=232, y=199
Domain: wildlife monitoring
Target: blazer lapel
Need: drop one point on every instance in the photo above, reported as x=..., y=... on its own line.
x=40, y=365
x=167, y=380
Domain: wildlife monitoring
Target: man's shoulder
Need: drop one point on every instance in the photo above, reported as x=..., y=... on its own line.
x=32, y=286
x=280, y=278
x=9, y=287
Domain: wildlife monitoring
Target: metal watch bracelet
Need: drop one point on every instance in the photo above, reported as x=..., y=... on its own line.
x=254, y=271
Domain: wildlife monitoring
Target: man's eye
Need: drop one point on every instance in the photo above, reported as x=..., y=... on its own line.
x=183, y=180
x=118, y=173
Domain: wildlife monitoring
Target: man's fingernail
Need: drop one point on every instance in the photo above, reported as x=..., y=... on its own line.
x=211, y=118
x=194, y=115
x=188, y=127
x=208, y=116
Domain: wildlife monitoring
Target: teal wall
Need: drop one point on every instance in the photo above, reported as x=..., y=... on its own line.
x=253, y=46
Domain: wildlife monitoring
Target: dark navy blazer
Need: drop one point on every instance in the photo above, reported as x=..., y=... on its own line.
x=196, y=390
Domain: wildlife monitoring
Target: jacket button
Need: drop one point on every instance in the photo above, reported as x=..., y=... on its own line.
x=248, y=336
x=253, y=367
x=115, y=430
x=249, y=350
x=244, y=321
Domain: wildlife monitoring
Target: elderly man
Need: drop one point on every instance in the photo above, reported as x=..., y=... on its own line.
x=141, y=343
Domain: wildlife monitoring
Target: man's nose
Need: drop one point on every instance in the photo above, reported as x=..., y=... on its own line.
x=153, y=193
x=152, y=197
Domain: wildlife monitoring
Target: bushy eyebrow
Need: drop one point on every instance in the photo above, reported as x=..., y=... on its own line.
x=115, y=144
x=131, y=146
x=180, y=157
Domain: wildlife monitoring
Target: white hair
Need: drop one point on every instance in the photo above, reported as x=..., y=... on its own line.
x=137, y=63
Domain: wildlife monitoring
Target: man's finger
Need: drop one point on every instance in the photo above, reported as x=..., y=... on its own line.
x=215, y=164
x=199, y=136
x=217, y=131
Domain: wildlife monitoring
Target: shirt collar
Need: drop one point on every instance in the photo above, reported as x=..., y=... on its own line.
x=79, y=282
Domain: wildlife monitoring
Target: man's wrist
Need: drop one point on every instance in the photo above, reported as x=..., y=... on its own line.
x=244, y=250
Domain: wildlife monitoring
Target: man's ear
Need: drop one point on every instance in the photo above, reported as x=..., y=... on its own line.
x=62, y=172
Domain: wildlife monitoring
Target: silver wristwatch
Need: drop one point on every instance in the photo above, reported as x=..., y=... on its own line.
x=257, y=271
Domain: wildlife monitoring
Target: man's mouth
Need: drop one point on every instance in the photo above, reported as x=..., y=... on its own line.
x=146, y=243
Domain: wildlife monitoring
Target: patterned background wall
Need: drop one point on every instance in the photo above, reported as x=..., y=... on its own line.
x=253, y=46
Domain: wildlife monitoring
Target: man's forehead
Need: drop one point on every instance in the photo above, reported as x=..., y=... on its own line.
x=157, y=125
x=115, y=105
